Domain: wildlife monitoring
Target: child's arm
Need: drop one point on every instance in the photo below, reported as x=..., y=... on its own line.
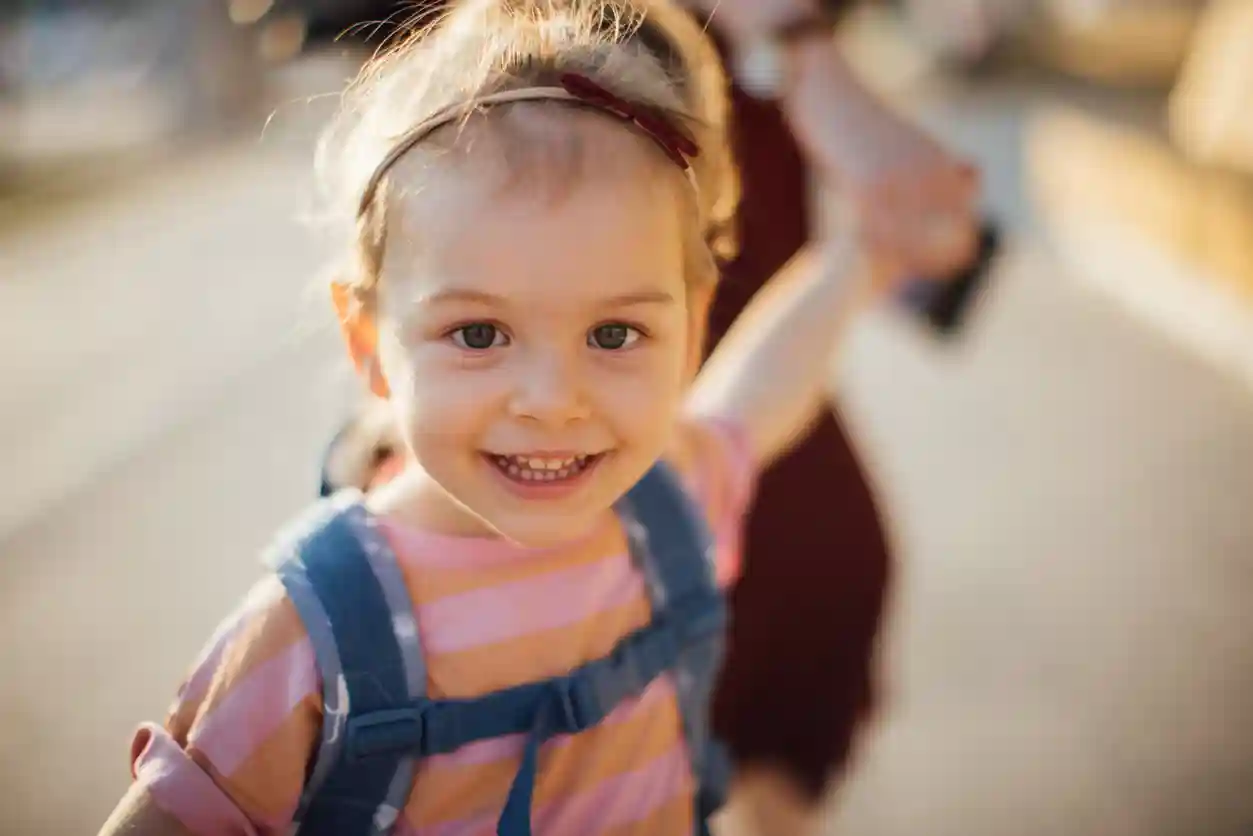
x=232, y=754
x=769, y=375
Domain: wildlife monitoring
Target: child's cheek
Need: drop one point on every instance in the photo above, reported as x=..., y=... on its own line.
x=644, y=403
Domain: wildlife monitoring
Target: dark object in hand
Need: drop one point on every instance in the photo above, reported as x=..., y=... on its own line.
x=944, y=305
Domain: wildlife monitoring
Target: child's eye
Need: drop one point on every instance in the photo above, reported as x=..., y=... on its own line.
x=613, y=336
x=479, y=336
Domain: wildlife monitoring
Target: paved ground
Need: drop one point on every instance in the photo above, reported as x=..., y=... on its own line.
x=1071, y=650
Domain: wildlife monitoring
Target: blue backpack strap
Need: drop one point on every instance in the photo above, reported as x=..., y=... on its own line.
x=671, y=542
x=347, y=588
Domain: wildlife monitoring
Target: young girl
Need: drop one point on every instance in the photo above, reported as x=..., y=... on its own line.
x=539, y=197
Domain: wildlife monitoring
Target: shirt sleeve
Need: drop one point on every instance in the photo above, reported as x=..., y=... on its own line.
x=722, y=475
x=232, y=754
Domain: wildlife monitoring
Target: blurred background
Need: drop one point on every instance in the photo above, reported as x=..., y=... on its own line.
x=1069, y=485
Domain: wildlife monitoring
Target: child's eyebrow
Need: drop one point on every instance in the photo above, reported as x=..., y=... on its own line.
x=623, y=300
x=450, y=295
x=642, y=297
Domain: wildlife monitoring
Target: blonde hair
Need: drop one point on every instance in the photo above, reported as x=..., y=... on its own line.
x=485, y=47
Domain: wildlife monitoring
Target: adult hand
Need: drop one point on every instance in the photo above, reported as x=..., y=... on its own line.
x=915, y=202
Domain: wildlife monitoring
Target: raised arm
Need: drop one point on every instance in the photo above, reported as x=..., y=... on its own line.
x=769, y=376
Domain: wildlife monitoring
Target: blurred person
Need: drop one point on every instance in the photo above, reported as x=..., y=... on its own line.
x=966, y=33
x=800, y=674
x=537, y=199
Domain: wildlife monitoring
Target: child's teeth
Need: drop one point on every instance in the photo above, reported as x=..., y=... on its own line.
x=531, y=469
x=544, y=464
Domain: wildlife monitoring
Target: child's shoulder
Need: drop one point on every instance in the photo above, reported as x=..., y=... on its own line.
x=267, y=622
x=329, y=523
x=704, y=442
x=265, y=647
x=260, y=649
x=265, y=625
x=716, y=463
x=714, y=458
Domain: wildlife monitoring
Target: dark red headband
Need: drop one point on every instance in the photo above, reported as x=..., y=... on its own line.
x=658, y=125
x=654, y=123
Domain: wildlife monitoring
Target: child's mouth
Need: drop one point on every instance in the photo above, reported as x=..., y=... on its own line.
x=543, y=470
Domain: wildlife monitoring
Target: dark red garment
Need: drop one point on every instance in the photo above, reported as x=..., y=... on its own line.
x=799, y=675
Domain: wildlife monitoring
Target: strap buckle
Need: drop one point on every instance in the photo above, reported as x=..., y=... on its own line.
x=576, y=709
x=384, y=732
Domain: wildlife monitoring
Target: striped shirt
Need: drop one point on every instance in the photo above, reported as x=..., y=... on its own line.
x=232, y=755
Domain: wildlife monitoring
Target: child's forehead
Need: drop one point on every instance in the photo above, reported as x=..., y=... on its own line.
x=530, y=274
x=609, y=232
x=543, y=154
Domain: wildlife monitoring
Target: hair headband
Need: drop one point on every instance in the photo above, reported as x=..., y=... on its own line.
x=576, y=89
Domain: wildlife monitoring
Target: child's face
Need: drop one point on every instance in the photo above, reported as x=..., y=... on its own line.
x=536, y=343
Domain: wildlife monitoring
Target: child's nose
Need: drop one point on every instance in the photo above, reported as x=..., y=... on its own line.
x=549, y=389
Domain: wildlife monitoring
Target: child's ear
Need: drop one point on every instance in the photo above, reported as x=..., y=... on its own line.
x=360, y=336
